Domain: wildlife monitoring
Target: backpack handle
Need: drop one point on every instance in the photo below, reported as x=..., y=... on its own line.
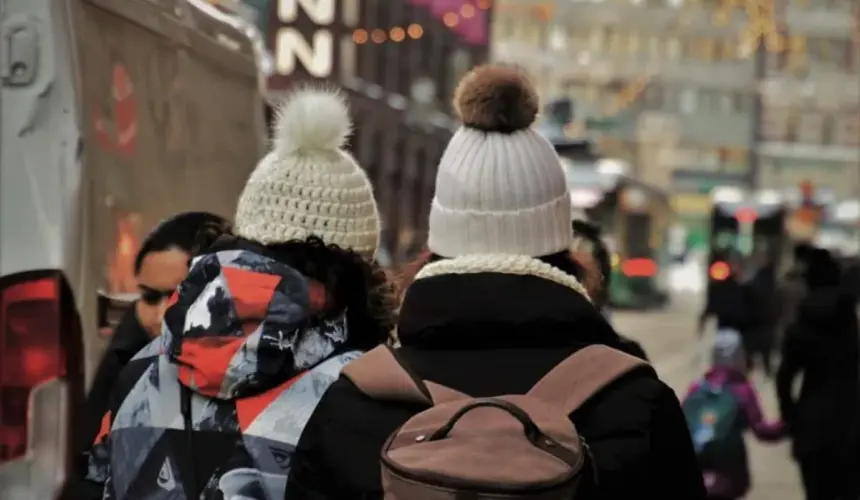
x=531, y=430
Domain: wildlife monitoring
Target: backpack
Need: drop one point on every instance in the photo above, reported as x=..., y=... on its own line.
x=712, y=412
x=510, y=446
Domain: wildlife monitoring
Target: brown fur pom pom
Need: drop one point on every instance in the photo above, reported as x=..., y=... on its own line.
x=495, y=98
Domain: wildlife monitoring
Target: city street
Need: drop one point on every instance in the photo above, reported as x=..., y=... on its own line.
x=670, y=339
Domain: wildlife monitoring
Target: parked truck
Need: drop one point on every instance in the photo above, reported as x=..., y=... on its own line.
x=115, y=115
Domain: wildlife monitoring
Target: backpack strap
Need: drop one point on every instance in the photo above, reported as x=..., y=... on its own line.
x=582, y=375
x=381, y=374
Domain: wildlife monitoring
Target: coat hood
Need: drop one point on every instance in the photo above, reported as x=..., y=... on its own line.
x=242, y=323
x=491, y=302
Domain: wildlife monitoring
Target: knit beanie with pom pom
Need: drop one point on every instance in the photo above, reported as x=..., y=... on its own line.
x=500, y=188
x=308, y=185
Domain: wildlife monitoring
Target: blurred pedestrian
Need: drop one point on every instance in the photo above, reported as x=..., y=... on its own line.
x=262, y=324
x=728, y=300
x=592, y=253
x=822, y=346
x=719, y=408
x=760, y=287
x=791, y=289
x=499, y=304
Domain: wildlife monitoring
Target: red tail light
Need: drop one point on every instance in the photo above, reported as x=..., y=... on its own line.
x=30, y=354
x=41, y=383
x=639, y=268
x=719, y=271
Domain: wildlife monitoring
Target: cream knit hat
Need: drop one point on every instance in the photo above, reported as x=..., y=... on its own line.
x=500, y=188
x=308, y=185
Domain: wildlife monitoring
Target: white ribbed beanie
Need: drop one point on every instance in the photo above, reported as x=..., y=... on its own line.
x=308, y=185
x=500, y=188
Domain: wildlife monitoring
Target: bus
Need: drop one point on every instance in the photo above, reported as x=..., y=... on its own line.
x=635, y=218
x=745, y=225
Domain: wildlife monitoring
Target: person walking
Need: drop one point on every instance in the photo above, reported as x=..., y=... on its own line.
x=720, y=407
x=160, y=265
x=263, y=323
x=822, y=346
x=498, y=306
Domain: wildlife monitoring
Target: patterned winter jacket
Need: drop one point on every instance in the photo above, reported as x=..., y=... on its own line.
x=215, y=406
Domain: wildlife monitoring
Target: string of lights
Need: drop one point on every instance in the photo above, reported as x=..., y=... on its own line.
x=761, y=27
x=415, y=31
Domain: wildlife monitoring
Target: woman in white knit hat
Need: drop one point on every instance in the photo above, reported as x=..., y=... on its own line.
x=264, y=322
x=500, y=303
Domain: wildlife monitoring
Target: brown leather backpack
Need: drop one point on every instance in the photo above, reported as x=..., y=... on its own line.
x=506, y=447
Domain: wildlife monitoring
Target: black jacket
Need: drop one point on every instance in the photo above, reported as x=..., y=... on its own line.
x=490, y=334
x=822, y=344
x=129, y=337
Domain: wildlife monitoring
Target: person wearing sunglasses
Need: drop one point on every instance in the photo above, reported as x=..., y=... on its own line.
x=161, y=264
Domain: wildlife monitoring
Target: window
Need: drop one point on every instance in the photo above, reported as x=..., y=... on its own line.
x=711, y=100
x=848, y=129
x=727, y=103
x=597, y=40
x=557, y=39
x=653, y=96
x=823, y=51
x=673, y=48
x=796, y=53
x=727, y=50
x=743, y=102
x=828, y=130
x=845, y=53
x=654, y=51
x=732, y=159
x=533, y=32
x=700, y=49
x=670, y=98
x=634, y=44
x=688, y=101
x=616, y=40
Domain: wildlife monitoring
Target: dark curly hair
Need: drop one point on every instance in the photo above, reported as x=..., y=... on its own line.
x=360, y=287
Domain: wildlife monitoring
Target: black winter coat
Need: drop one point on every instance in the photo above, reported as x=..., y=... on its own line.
x=129, y=337
x=822, y=344
x=491, y=334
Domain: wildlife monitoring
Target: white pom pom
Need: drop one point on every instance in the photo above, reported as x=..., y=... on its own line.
x=312, y=120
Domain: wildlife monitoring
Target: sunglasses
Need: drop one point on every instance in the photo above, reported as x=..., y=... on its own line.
x=153, y=296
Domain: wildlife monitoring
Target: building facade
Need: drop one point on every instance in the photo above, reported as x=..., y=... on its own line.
x=664, y=84
x=399, y=61
x=681, y=90
x=812, y=99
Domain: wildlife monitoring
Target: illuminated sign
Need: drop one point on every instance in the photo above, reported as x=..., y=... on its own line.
x=305, y=33
x=316, y=53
